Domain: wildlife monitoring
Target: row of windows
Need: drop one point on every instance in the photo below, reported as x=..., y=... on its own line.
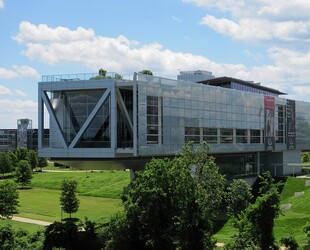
x=154, y=120
x=222, y=135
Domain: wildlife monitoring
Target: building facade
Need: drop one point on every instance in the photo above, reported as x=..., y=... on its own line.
x=117, y=123
x=23, y=136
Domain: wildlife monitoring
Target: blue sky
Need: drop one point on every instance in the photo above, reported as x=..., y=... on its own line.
x=261, y=41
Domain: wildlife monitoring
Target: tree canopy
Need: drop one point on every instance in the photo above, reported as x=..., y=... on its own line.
x=23, y=173
x=68, y=200
x=8, y=199
x=167, y=204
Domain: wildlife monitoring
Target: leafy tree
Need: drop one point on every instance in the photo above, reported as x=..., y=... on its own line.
x=6, y=237
x=290, y=243
x=307, y=231
x=33, y=159
x=13, y=158
x=42, y=162
x=6, y=165
x=23, y=173
x=68, y=200
x=22, y=154
x=146, y=72
x=102, y=72
x=305, y=157
x=8, y=199
x=166, y=204
x=238, y=197
x=68, y=235
x=255, y=224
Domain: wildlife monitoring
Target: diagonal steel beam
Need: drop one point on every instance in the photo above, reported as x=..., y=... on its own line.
x=123, y=109
x=90, y=118
x=53, y=118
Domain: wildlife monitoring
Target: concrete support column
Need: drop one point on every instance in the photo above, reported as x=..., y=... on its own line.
x=113, y=116
x=258, y=163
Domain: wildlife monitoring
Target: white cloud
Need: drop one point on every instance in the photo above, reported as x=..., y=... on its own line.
x=9, y=92
x=1, y=4
x=176, y=19
x=260, y=20
x=31, y=33
x=19, y=92
x=12, y=110
x=22, y=71
x=126, y=56
x=4, y=90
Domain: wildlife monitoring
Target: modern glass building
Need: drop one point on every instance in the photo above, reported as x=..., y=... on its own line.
x=113, y=123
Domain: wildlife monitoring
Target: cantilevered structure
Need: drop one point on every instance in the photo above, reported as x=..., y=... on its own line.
x=114, y=123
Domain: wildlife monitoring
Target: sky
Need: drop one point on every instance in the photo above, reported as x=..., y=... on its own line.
x=254, y=40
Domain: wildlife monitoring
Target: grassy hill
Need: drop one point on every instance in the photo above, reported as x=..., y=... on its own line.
x=291, y=222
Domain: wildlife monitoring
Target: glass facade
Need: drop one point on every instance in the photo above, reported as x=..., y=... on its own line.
x=72, y=108
x=223, y=117
x=153, y=116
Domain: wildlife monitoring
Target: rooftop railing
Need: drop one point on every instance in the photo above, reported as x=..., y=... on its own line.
x=84, y=77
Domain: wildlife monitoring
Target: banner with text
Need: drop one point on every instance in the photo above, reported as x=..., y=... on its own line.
x=269, y=106
x=291, y=133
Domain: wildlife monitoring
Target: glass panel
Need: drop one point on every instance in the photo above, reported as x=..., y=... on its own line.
x=98, y=134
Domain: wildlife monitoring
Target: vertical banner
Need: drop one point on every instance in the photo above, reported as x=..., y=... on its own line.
x=291, y=133
x=269, y=106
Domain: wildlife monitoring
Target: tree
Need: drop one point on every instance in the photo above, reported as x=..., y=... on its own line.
x=33, y=159
x=238, y=197
x=6, y=165
x=8, y=199
x=42, y=162
x=6, y=237
x=146, y=72
x=255, y=224
x=22, y=154
x=68, y=200
x=165, y=205
x=305, y=157
x=23, y=173
x=68, y=235
x=13, y=158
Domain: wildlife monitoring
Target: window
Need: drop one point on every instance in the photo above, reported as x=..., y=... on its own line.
x=154, y=120
x=241, y=136
x=279, y=124
x=192, y=134
x=254, y=136
x=226, y=135
x=210, y=135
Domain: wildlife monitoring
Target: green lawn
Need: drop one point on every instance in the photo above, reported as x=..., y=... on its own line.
x=31, y=228
x=292, y=221
x=107, y=184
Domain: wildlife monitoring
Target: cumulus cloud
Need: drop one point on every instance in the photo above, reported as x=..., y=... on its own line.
x=1, y=4
x=12, y=110
x=22, y=71
x=9, y=92
x=126, y=56
x=280, y=20
x=4, y=90
x=115, y=54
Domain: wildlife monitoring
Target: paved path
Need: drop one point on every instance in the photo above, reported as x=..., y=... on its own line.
x=26, y=220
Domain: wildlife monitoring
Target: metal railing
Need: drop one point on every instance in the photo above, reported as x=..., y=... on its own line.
x=84, y=77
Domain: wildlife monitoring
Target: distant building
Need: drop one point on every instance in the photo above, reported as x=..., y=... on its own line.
x=23, y=136
x=195, y=76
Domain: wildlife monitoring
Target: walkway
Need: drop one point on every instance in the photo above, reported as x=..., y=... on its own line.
x=26, y=220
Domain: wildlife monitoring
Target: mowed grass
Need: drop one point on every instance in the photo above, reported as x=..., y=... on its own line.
x=292, y=221
x=31, y=228
x=106, y=184
x=43, y=204
x=98, y=192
